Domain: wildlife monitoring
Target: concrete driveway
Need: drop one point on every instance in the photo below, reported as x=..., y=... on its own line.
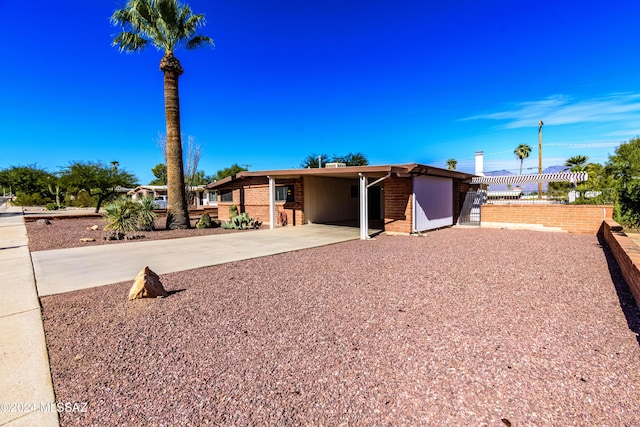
x=64, y=270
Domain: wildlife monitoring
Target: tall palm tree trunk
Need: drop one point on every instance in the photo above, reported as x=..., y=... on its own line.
x=177, y=212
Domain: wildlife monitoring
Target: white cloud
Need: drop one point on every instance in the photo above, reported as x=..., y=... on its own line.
x=563, y=110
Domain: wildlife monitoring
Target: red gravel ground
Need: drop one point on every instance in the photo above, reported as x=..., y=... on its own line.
x=66, y=233
x=462, y=327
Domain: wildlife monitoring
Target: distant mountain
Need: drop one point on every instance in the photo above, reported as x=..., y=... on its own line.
x=526, y=187
x=499, y=173
x=554, y=169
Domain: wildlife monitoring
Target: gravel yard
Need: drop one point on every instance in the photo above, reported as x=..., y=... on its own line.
x=66, y=233
x=461, y=327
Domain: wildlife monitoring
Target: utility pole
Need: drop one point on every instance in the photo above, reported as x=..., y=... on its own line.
x=540, y=158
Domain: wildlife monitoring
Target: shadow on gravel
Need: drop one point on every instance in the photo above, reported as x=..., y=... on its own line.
x=175, y=291
x=627, y=301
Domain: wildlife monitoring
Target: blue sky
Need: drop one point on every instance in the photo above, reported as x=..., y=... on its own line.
x=410, y=81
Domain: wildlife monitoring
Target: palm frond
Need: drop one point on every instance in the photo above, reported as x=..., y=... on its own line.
x=199, y=41
x=163, y=23
x=129, y=42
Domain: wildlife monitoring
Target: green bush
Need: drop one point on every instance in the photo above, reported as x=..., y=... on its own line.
x=81, y=200
x=52, y=206
x=34, y=199
x=233, y=211
x=627, y=205
x=242, y=222
x=204, y=221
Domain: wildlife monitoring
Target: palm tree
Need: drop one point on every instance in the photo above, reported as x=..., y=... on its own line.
x=165, y=24
x=577, y=163
x=451, y=164
x=522, y=152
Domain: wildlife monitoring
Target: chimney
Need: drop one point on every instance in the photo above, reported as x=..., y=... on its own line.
x=479, y=163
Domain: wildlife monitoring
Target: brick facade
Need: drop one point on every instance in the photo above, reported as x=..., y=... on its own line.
x=572, y=218
x=398, y=205
x=626, y=252
x=251, y=195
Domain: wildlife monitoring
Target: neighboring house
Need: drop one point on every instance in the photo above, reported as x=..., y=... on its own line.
x=201, y=195
x=405, y=198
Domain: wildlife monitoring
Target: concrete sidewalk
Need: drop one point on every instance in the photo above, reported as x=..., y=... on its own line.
x=25, y=379
x=64, y=270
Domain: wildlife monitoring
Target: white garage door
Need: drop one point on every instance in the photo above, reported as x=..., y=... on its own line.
x=432, y=202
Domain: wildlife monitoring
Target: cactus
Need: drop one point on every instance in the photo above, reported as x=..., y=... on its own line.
x=242, y=222
x=204, y=221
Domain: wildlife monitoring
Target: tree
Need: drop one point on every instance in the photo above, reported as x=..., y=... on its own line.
x=577, y=163
x=624, y=166
x=350, y=159
x=522, y=152
x=160, y=173
x=451, y=164
x=97, y=179
x=165, y=24
x=311, y=161
x=229, y=171
x=29, y=183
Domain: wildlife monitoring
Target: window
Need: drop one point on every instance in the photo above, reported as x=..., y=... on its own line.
x=285, y=193
x=213, y=197
x=226, y=196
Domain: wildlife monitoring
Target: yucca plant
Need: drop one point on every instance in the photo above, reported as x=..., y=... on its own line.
x=146, y=218
x=121, y=217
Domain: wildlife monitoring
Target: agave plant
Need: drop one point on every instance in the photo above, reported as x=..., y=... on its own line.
x=121, y=218
x=146, y=218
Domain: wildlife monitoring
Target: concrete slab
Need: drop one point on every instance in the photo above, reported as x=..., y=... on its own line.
x=25, y=379
x=65, y=270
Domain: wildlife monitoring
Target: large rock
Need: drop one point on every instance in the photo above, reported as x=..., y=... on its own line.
x=147, y=285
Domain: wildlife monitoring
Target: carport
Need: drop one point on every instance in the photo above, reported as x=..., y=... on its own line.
x=406, y=198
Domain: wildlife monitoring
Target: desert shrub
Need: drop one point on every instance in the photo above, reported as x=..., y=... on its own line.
x=204, y=221
x=52, y=206
x=233, y=211
x=81, y=200
x=242, y=222
x=146, y=218
x=126, y=216
x=34, y=199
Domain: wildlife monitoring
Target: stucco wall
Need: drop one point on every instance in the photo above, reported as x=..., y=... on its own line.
x=329, y=199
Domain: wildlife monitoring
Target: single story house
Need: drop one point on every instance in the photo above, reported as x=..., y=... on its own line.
x=404, y=198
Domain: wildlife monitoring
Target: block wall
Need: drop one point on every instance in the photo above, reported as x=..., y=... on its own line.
x=626, y=252
x=585, y=219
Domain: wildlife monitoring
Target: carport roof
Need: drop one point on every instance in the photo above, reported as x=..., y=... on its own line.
x=409, y=169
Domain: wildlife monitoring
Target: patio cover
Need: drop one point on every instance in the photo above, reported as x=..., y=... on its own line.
x=524, y=179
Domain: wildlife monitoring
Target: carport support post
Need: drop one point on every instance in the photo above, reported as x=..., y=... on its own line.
x=272, y=202
x=364, y=211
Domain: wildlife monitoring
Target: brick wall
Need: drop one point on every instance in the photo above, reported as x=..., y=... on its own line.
x=251, y=195
x=398, y=204
x=572, y=218
x=626, y=252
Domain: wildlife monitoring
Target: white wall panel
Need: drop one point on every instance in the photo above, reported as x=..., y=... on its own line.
x=433, y=202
